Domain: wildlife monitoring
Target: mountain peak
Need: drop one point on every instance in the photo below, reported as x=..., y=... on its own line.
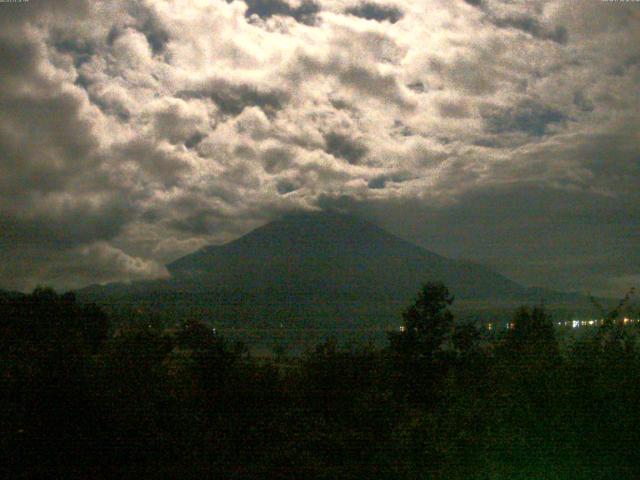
x=319, y=268
x=331, y=251
x=316, y=238
x=324, y=217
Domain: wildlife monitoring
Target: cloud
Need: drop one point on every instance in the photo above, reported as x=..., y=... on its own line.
x=157, y=36
x=381, y=181
x=277, y=159
x=534, y=28
x=620, y=286
x=375, y=11
x=454, y=108
x=539, y=236
x=362, y=79
x=582, y=102
x=285, y=186
x=528, y=116
x=232, y=98
x=304, y=13
x=113, y=264
x=137, y=132
x=342, y=146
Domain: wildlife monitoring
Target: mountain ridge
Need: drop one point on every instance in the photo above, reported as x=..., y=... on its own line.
x=337, y=250
x=322, y=268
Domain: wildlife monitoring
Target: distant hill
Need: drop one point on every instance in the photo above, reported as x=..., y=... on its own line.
x=313, y=269
x=9, y=295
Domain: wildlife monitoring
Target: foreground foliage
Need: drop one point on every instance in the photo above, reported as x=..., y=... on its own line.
x=81, y=399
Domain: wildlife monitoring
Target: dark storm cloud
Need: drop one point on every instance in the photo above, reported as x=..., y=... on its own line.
x=376, y=11
x=194, y=140
x=197, y=222
x=155, y=34
x=276, y=159
x=627, y=64
x=108, y=108
x=534, y=28
x=304, y=13
x=193, y=213
x=582, y=102
x=529, y=116
x=341, y=146
x=340, y=104
x=232, y=99
x=70, y=269
x=417, y=87
x=567, y=234
x=43, y=138
x=80, y=49
x=401, y=129
x=175, y=122
x=147, y=22
x=612, y=158
x=453, y=109
x=72, y=224
x=19, y=13
x=381, y=181
x=19, y=57
x=40, y=151
x=46, y=149
x=284, y=186
x=538, y=236
x=523, y=22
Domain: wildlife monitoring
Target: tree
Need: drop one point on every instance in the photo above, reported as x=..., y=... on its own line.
x=419, y=349
x=466, y=339
x=427, y=324
x=47, y=342
x=612, y=336
x=526, y=386
x=533, y=336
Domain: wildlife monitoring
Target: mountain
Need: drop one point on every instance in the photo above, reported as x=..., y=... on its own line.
x=311, y=269
x=330, y=254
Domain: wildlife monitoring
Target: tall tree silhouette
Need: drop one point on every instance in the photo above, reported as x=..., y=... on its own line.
x=419, y=348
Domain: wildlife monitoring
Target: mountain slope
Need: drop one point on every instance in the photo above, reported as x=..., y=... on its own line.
x=311, y=269
x=329, y=253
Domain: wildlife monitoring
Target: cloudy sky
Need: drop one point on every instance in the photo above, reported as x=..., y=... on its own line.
x=504, y=131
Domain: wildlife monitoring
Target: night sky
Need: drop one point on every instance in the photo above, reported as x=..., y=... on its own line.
x=132, y=133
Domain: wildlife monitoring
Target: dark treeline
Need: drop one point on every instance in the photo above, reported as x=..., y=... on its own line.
x=81, y=398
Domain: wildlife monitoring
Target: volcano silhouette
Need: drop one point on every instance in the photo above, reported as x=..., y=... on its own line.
x=318, y=268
